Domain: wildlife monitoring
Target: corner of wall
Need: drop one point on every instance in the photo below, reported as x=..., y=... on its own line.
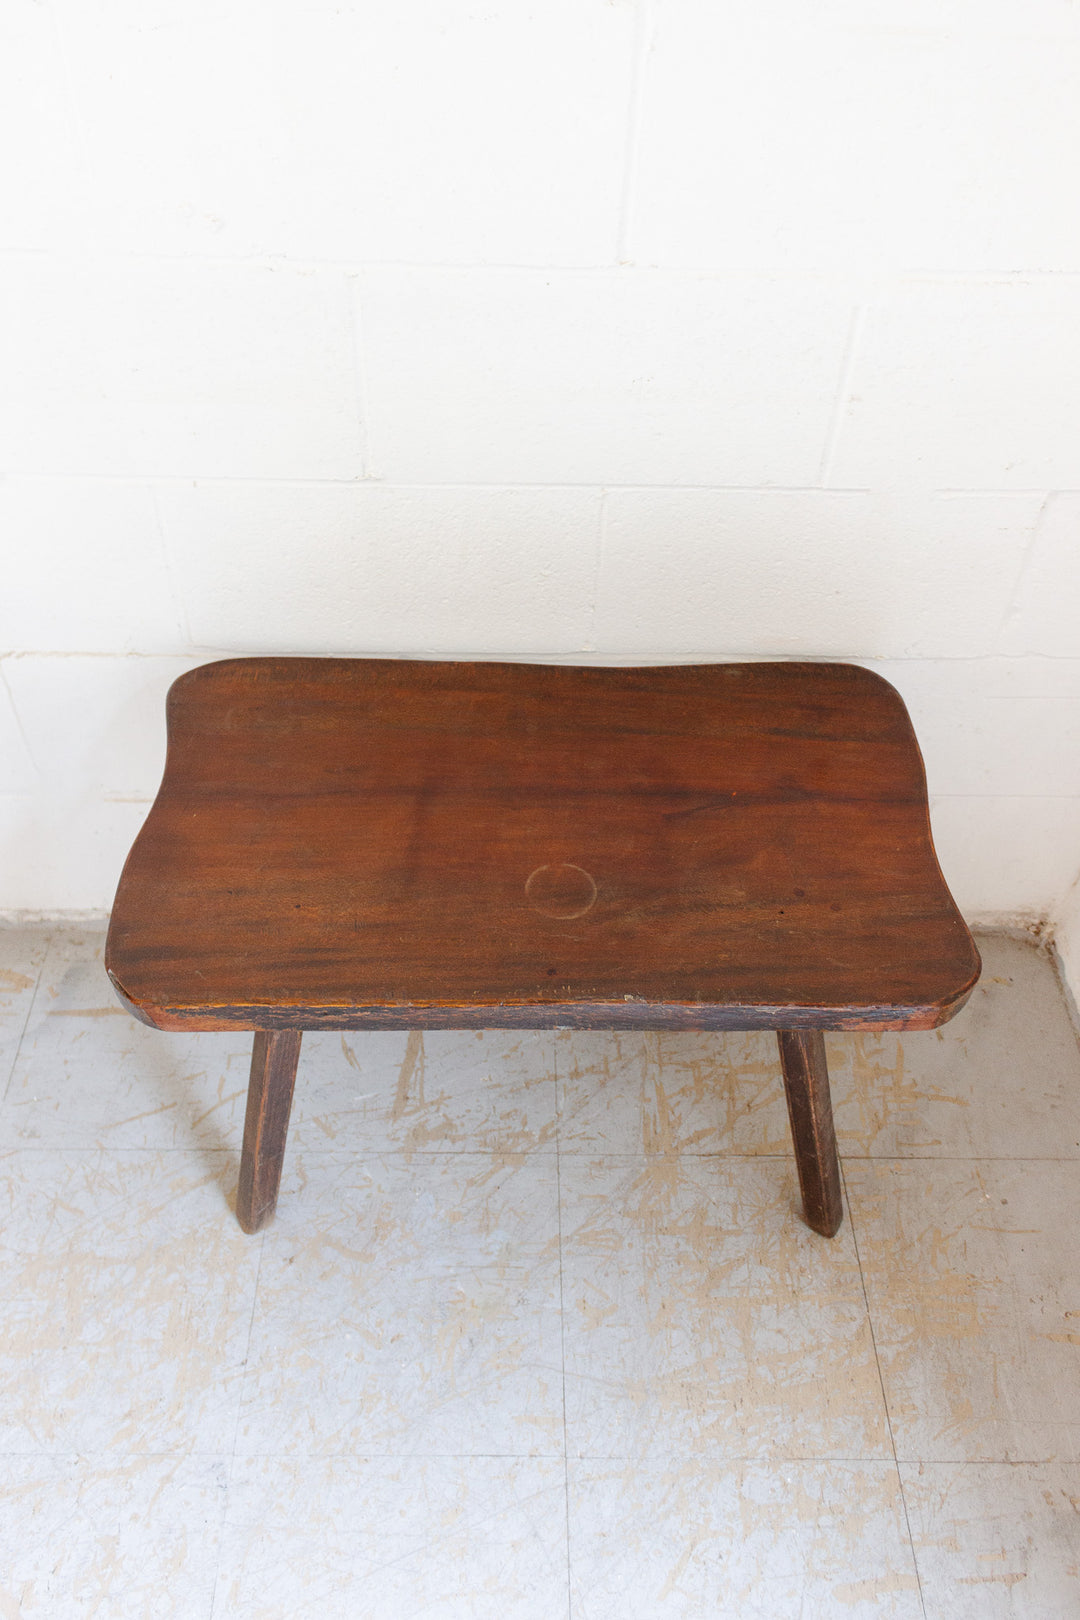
x=1065, y=942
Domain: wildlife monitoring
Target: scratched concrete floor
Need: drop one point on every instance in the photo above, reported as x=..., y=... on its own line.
x=537, y=1331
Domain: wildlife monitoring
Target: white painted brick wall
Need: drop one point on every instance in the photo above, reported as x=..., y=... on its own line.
x=599, y=330
x=434, y=569
x=960, y=385
x=425, y=130
x=601, y=377
x=866, y=574
x=145, y=368
x=835, y=137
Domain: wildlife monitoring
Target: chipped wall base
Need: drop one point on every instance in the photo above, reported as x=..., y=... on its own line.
x=37, y=919
x=1027, y=925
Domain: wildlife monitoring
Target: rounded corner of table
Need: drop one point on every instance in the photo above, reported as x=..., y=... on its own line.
x=957, y=999
x=128, y=1000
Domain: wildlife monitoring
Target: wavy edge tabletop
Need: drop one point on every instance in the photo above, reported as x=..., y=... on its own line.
x=380, y=843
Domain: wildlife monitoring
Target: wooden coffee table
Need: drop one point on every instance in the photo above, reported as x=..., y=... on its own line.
x=380, y=844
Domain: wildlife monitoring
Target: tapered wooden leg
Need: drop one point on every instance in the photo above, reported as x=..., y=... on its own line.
x=273, y=1072
x=806, y=1083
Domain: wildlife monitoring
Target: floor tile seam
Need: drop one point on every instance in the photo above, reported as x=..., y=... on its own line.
x=672, y=1153
x=115, y=1459
x=244, y=1372
x=408, y=1155
x=988, y=1462
x=223, y=1530
x=28, y=1150
x=735, y=1459
x=432, y=1153
x=961, y=1158
x=83, y=1454
x=884, y=1396
x=17, y=1053
x=231, y=1456
x=562, y=1335
x=848, y=1158
x=297, y=1455
x=233, y=1151
x=985, y=1462
x=540, y=1153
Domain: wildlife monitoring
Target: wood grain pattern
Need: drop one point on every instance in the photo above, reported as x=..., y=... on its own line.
x=353, y=843
x=806, y=1087
x=274, y=1058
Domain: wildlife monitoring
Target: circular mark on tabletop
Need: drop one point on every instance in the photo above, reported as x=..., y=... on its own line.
x=562, y=891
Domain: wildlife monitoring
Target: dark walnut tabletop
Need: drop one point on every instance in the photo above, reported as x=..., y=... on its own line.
x=355, y=843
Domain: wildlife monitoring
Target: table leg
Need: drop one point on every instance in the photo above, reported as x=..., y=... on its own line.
x=273, y=1072
x=806, y=1084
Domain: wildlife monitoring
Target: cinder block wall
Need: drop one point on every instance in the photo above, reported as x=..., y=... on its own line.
x=589, y=330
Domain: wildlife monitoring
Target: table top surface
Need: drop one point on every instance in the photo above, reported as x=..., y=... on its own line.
x=368, y=842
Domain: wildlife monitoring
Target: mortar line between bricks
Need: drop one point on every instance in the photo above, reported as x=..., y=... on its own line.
x=898, y=276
